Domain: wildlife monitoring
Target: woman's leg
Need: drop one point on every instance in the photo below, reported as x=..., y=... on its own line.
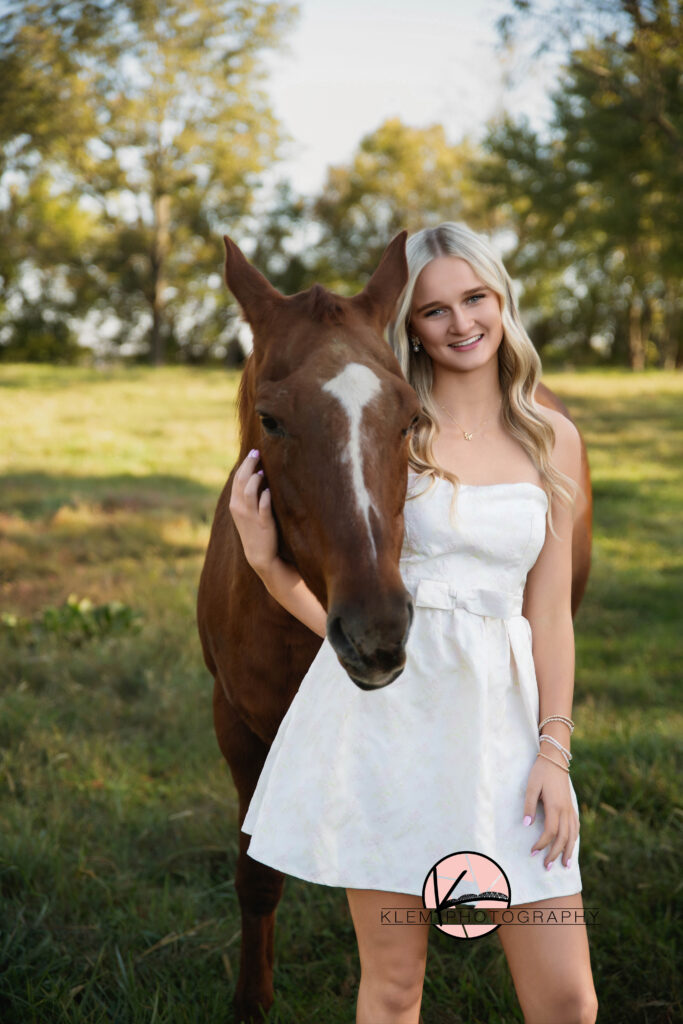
x=550, y=966
x=392, y=957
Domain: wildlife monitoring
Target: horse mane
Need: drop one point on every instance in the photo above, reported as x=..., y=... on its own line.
x=322, y=306
x=243, y=403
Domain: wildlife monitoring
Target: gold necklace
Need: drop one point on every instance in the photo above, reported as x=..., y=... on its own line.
x=468, y=435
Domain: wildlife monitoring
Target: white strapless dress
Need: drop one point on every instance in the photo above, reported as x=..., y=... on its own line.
x=368, y=790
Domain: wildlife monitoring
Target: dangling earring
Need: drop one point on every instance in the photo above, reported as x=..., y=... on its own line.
x=415, y=342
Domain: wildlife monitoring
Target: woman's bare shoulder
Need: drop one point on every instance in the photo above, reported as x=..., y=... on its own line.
x=566, y=453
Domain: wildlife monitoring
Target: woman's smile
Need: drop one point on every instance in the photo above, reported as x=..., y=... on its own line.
x=468, y=343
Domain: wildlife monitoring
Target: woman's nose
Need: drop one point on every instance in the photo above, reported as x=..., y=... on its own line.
x=461, y=321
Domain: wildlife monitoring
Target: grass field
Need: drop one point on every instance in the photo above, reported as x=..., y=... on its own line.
x=117, y=814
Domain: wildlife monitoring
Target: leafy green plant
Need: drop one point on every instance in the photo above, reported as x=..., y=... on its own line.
x=75, y=621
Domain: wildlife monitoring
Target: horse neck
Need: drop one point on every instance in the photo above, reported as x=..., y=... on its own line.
x=245, y=403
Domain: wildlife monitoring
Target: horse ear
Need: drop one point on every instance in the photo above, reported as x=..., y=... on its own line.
x=254, y=293
x=380, y=295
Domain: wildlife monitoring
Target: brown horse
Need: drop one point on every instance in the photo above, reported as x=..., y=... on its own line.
x=582, y=535
x=323, y=399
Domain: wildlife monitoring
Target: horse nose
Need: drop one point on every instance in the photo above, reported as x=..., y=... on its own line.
x=371, y=643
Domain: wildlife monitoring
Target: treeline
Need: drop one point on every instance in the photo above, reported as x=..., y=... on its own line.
x=134, y=134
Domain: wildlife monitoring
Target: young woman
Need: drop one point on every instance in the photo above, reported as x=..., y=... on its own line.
x=451, y=756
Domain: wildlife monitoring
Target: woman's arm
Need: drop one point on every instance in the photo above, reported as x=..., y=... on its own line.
x=255, y=524
x=547, y=606
x=285, y=584
x=547, y=597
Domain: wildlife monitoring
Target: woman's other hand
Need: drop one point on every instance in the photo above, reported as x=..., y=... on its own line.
x=253, y=516
x=550, y=784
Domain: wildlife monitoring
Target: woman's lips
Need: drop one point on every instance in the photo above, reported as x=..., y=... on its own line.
x=468, y=346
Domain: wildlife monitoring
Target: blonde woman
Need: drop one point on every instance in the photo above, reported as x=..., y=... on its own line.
x=450, y=756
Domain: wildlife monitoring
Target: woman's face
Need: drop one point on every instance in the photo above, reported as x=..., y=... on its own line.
x=455, y=315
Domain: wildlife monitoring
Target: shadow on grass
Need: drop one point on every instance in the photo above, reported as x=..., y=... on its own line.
x=37, y=495
x=42, y=377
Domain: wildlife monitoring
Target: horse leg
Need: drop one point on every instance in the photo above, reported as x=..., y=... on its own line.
x=258, y=886
x=259, y=889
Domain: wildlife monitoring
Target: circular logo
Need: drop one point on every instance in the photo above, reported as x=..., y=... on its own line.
x=460, y=888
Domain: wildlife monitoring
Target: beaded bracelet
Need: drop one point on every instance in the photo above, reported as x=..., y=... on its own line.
x=558, y=718
x=553, y=761
x=558, y=746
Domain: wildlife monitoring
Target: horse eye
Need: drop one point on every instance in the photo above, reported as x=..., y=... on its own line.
x=413, y=424
x=270, y=425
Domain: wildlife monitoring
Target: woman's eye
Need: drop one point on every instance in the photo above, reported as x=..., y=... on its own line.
x=431, y=312
x=475, y=298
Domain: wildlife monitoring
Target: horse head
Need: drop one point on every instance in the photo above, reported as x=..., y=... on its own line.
x=324, y=400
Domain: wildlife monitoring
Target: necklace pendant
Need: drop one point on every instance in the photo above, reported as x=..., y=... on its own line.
x=468, y=437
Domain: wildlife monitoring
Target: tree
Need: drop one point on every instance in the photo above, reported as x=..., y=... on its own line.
x=43, y=46
x=282, y=252
x=46, y=245
x=596, y=203
x=169, y=132
x=400, y=177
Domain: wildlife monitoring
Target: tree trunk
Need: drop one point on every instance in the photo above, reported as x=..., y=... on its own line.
x=157, y=340
x=636, y=346
x=673, y=335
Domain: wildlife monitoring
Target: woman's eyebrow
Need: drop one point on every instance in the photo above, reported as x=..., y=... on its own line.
x=466, y=294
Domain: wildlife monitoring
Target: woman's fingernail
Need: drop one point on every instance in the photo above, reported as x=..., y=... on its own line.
x=253, y=454
x=527, y=819
x=569, y=863
x=260, y=473
x=534, y=852
x=548, y=866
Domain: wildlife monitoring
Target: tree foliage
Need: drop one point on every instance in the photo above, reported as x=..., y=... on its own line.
x=399, y=177
x=596, y=202
x=154, y=137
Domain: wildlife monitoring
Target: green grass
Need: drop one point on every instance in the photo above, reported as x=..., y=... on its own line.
x=117, y=814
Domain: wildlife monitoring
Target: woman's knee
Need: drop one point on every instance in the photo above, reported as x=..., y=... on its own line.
x=396, y=982
x=393, y=997
x=586, y=1007
x=571, y=1006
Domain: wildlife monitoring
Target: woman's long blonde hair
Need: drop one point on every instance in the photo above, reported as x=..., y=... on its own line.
x=519, y=365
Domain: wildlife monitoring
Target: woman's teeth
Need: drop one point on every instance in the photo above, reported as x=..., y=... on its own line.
x=462, y=344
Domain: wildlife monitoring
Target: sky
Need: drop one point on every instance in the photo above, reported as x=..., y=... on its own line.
x=351, y=64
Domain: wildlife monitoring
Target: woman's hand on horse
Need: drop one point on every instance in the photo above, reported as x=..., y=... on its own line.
x=253, y=516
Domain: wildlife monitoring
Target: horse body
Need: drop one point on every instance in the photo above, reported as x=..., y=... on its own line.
x=324, y=400
x=582, y=534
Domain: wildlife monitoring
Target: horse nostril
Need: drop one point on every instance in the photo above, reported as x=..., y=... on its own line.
x=339, y=638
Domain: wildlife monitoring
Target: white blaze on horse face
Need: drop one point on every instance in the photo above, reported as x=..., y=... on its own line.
x=354, y=387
